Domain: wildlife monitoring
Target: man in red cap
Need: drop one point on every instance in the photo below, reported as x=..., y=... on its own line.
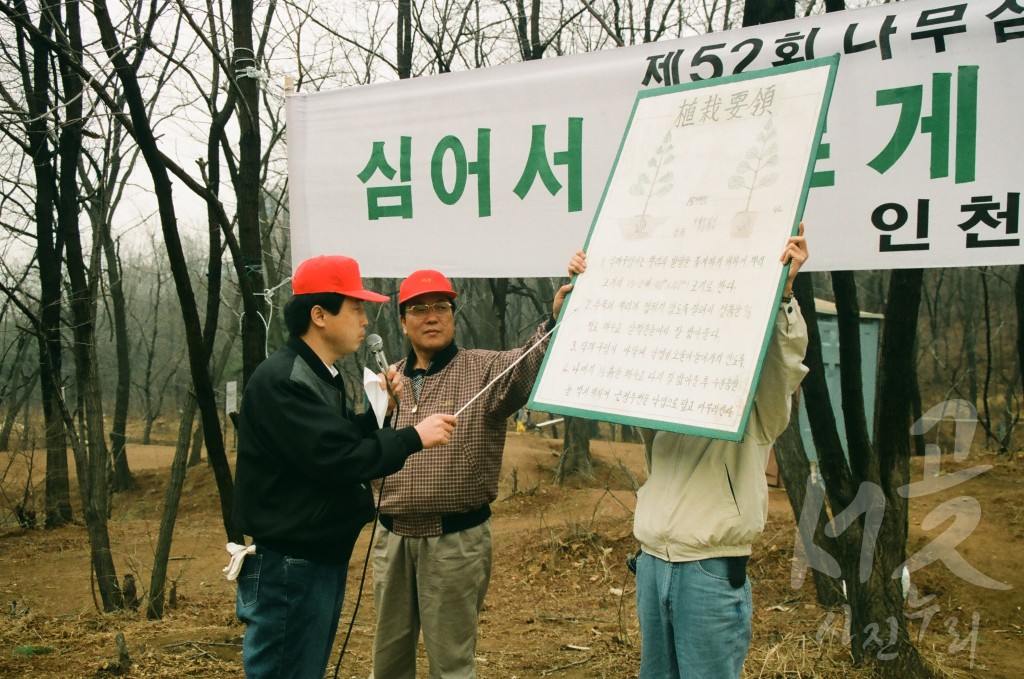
x=432, y=561
x=305, y=460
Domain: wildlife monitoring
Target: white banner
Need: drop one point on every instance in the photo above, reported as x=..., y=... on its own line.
x=498, y=171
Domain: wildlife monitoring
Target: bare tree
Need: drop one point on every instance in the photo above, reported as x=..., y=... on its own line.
x=757, y=12
x=91, y=455
x=158, y=578
x=154, y=375
x=54, y=95
x=967, y=347
x=17, y=382
x=865, y=491
x=1019, y=308
x=103, y=189
x=248, y=55
x=32, y=60
x=139, y=123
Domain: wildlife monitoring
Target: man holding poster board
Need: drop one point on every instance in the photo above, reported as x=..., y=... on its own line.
x=685, y=324
x=704, y=503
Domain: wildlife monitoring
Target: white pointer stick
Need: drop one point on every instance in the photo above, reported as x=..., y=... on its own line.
x=489, y=384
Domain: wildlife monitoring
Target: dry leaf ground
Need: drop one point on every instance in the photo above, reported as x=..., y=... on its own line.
x=561, y=602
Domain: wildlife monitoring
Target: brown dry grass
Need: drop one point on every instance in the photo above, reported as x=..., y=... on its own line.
x=561, y=602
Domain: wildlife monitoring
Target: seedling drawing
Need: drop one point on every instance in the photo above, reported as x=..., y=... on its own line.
x=655, y=183
x=754, y=172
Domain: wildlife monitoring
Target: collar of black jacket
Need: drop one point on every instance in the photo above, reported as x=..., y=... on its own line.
x=438, y=363
x=314, y=361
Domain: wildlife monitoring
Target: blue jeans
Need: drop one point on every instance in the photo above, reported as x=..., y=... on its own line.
x=695, y=625
x=290, y=608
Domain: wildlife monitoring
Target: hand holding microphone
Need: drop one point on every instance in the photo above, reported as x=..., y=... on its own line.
x=435, y=430
x=376, y=346
x=391, y=380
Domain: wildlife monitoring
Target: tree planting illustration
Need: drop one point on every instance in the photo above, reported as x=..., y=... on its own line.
x=754, y=172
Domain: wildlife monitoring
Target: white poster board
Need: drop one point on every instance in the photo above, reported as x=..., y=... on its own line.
x=668, y=326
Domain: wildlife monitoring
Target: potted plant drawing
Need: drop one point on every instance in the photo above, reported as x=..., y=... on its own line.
x=654, y=183
x=754, y=172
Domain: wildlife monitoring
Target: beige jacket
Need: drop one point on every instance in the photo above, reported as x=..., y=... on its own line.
x=707, y=497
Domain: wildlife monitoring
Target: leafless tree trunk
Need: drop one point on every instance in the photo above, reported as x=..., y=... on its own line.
x=575, y=459
x=499, y=293
x=105, y=193
x=122, y=476
x=218, y=376
x=158, y=167
x=16, y=387
x=757, y=12
x=798, y=478
x=155, y=374
x=869, y=484
x=158, y=579
x=881, y=597
x=247, y=184
x=404, y=39
x=91, y=456
x=16, y=404
x=35, y=57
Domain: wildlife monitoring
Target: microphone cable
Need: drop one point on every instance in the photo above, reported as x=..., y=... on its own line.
x=369, y=549
x=362, y=581
x=375, y=343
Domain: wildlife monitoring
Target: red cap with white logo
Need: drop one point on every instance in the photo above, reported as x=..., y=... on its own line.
x=422, y=282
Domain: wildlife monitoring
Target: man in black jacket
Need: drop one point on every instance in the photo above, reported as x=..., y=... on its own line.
x=304, y=463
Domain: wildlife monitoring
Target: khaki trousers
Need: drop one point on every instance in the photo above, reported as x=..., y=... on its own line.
x=436, y=585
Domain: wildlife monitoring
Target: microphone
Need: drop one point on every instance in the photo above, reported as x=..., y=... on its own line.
x=376, y=346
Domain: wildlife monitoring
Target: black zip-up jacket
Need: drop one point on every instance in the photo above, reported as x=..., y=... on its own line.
x=305, y=459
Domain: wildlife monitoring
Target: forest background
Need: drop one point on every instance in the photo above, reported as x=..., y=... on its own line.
x=143, y=202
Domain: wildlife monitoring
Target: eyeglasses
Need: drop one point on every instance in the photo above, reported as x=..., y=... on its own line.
x=422, y=310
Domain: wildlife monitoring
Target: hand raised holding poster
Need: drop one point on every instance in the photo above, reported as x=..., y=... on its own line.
x=668, y=327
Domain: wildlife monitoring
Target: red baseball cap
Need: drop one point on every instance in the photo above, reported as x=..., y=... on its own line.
x=332, y=273
x=423, y=281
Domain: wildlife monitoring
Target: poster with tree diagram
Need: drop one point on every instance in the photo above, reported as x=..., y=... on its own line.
x=669, y=325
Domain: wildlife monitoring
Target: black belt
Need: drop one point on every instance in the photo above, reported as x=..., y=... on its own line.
x=451, y=523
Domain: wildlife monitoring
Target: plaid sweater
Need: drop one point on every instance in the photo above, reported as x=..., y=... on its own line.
x=463, y=475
